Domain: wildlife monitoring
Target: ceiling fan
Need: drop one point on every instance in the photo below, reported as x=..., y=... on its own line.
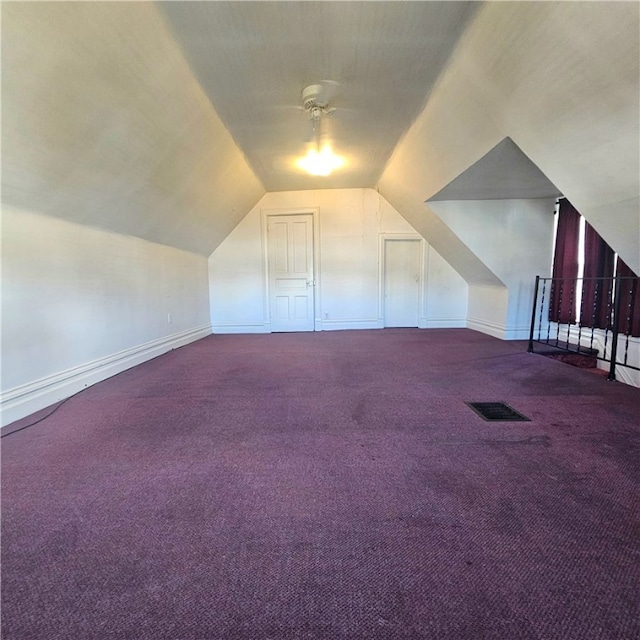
x=316, y=98
x=319, y=160
x=315, y=101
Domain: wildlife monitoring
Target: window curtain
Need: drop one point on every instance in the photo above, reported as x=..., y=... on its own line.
x=629, y=318
x=562, y=305
x=596, y=294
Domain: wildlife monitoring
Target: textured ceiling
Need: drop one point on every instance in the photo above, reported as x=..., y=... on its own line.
x=503, y=173
x=253, y=59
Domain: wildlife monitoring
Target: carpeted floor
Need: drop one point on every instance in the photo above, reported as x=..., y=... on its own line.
x=327, y=486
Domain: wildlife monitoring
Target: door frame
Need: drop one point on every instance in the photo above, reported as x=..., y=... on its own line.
x=265, y=214
x=422, y=294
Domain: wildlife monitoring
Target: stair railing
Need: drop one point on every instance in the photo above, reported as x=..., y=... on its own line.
x=605, y=333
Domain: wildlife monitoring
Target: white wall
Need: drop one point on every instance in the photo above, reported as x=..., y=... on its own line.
x=104, y=124
x=488, y=310
x=561, y=79
x=81, y=304
x=514, y=238
x=628, y=350
x=350, y=223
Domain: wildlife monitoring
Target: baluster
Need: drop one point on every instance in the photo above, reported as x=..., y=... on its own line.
x=559, y=312
x=626, y=350
x=544, y=288
x=614, y=337
x=551, y=304
x=580, y=314
x=572, y=301
x=632, y=292
x=533, y=315
x=593, y=323
x=596, y=298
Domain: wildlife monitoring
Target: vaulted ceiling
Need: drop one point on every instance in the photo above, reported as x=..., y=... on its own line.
x=254, y=58
x=169, y=120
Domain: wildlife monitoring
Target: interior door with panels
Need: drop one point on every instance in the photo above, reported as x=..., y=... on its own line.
x=402, y=282
x=291, y=275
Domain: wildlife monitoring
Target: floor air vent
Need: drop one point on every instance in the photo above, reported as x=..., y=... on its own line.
x=497, y=412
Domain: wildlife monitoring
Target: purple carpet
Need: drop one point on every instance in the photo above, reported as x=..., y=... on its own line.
x=327, y=486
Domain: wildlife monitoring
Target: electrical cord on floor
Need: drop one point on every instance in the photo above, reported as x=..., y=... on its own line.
x=31, y=424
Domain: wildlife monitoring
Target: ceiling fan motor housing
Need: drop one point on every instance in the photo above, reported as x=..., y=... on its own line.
x=312, y=97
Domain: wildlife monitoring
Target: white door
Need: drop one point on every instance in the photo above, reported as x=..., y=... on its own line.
x=402, y=282
x=291, y=277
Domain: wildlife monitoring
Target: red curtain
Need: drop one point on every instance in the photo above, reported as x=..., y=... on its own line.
x=629, y=317
x=596, y=294
x=562, y=305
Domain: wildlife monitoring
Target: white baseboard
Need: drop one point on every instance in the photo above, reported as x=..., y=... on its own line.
x=25, y=399
x=423, y=323
x=625, y=375
x=337, y=325
x=490, y=328
x=444, y=323
x=516, y=333
x=253, y=327
x=498, y=330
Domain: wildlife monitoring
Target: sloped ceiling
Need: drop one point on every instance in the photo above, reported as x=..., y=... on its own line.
x=254, y=58
x=562, y=81
x=504, y=173
x=169, y=120
x=103, y=124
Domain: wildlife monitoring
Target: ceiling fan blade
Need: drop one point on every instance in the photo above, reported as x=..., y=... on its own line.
x=286, y=107
x=328, y=91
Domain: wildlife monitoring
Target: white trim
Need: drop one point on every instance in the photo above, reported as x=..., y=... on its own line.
x=250, y=327
x=516, y=333
x=623, y=373
x=425, y=323
x=423, y=247
x=335, y=325
x=490, y=328
x=445, y=323
x=314, y=212
x=424, y=310
x=500, y=331
x=25, y=399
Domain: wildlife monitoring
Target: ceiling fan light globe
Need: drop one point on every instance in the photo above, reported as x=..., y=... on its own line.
x=321, y=163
